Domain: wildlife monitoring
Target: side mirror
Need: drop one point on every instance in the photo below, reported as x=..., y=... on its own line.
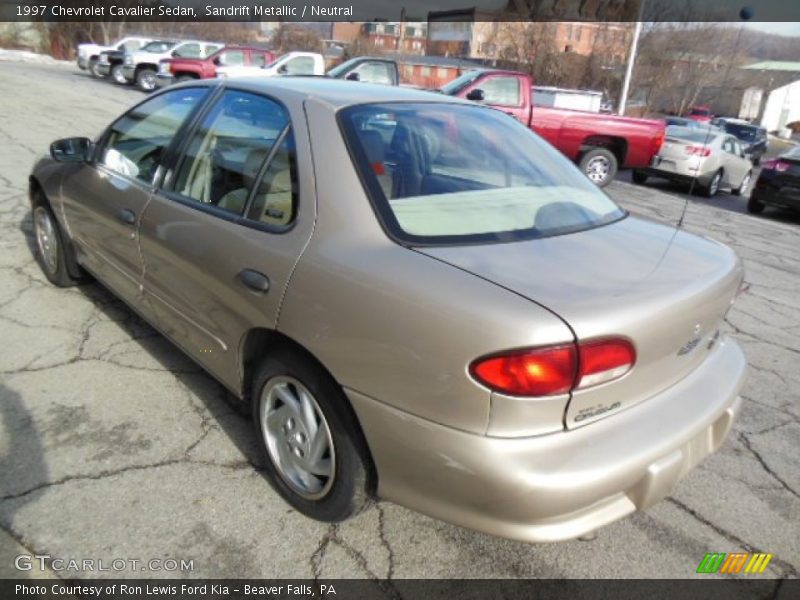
x=283, y=69
x=476, y=95
x=218, y=61
x=353, y=76
x=76, y=149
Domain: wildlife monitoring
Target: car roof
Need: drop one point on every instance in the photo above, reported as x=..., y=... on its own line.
x=337, y=93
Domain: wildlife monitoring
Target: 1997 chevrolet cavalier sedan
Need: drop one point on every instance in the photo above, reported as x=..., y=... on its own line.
x=420, y=299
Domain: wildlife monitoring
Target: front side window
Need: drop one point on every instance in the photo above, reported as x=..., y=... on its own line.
x=136, y=142
x=302, y=65
x=502, y=91
x=158, y=47
x=452, y=173
x=375, y=72
x=222, y=164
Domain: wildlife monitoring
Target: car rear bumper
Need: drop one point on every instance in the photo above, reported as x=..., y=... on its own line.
x=164, y=79
x=773, y=197
x=678, y=172
x=562, y=485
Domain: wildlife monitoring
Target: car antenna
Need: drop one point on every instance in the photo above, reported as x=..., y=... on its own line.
x=745, y=15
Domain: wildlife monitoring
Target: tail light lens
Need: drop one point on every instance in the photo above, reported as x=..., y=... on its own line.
x=658, y=141
x=604, y=360
x=776, y=164
x=536, y=372
x=698, y=150
x=554, y=370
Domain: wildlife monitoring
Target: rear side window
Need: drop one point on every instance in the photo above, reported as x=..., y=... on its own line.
x=459, y=173
x=136, y=142
x=222, y=165
x=188, y=51
x=233, y=57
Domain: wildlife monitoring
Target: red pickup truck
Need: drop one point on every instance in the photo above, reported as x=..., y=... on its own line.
x=181, y=69
x=598, y=143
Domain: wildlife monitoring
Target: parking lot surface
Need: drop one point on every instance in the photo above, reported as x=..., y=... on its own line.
x=115, y=445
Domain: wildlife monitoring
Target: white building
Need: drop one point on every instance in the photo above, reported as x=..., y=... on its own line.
x=782, y=107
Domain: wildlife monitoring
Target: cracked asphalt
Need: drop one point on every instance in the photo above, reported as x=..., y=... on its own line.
x=115, y=445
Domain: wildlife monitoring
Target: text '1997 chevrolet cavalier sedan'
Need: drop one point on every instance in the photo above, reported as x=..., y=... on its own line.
x=419, y=298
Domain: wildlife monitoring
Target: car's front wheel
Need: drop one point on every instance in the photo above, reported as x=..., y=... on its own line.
x=599, y=165
x=315, y=454
x=146, y=80
x=51, y=250
x=117, y=75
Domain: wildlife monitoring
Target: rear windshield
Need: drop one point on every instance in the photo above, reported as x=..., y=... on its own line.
x=697, y=135
x=451, y=174
x=743, y=132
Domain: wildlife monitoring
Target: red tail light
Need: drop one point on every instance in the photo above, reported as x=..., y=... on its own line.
x=698, y=150
x=776, y=164
x=658, y=141
x=536, y=372
x=554, y=370
x=604, y=360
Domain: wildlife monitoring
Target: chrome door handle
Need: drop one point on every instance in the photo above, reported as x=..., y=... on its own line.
x=127, y=216
x=254, y=280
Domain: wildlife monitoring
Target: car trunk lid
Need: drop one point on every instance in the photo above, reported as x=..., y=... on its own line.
x=663, y=289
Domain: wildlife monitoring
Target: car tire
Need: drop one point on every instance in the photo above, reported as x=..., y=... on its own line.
x=712, y=187
x=146, y=80
x=288, y=388
x=744, y=186
x=117, y=76
x=639, y=177
x=93, y=69
x=52, y=252
x=599, y=165
x=754, y=206
x=757, y=160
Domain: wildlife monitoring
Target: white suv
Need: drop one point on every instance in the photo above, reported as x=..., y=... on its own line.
x=141, y=67
x=88, y=54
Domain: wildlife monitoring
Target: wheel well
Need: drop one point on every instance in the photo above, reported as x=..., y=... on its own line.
x=187, y=74
x=616, y=145
x=259, y=342
x=146, y=67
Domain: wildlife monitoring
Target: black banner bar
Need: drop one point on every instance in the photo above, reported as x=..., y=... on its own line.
x=394, y=10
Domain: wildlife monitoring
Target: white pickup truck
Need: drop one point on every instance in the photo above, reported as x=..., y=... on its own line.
x=291, y=63
x=141, y=67
x=88, y=54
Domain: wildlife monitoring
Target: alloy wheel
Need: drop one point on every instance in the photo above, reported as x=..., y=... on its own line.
x=713, y=187
x=116, y=74
x=745, y=184
x=46, y=239
x=597, y=169
x=147, y=81
x=297, y=437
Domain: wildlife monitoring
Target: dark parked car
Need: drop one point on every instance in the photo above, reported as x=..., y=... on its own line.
x=778, y=184
x=752, y=137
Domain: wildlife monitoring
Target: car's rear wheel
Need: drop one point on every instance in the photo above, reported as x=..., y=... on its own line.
x=754, y=206
x=117, y=75
x=712, y=187
x=639, y=177
x=744, y=186
x=599, y=165
x=146, y=80
x=315, y=454
x=51, y=250
x=93, y=69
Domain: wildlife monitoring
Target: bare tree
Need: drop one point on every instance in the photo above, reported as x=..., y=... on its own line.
x=288, y=38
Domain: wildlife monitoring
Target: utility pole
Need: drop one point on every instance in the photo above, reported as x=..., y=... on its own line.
x=626, y=84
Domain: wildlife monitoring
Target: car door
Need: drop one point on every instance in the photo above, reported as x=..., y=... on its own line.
x=502, y=92
x=220, y=239
x=104, y=199
x=376, y=71
x=734, y=163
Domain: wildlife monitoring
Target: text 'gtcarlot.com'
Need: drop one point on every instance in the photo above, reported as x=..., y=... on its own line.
x=28, y=562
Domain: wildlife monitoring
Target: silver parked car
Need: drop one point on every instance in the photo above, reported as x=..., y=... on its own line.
x=418, y=298
x=707, y=154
